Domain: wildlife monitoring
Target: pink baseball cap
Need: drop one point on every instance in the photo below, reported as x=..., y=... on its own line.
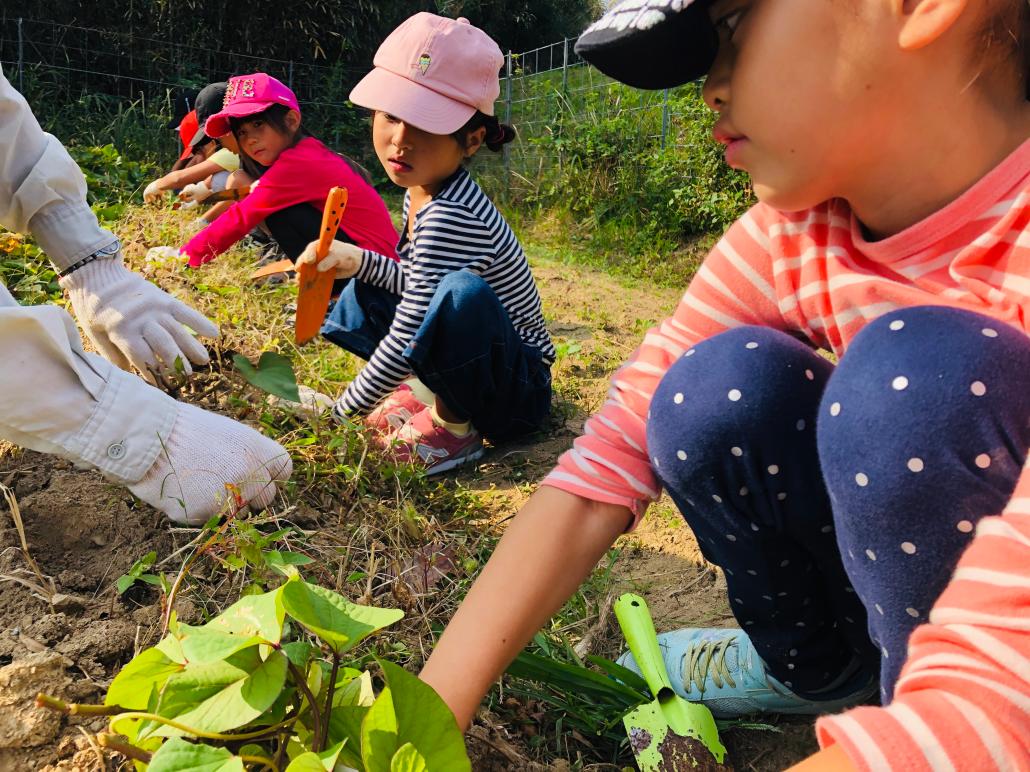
x=433, y=73
x=247, y=95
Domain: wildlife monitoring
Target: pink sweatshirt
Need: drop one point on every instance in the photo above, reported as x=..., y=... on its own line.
x=303, y=173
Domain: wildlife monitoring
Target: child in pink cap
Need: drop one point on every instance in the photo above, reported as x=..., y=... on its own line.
x=456, y=343
x=291, y=173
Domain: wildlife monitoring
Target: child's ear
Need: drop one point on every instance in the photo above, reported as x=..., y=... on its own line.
x=293, y=121
x=927, y=20
x=474, y=141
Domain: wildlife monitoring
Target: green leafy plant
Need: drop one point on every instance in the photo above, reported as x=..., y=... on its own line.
x=139, y=573
x=273, y=374
x=264, y=685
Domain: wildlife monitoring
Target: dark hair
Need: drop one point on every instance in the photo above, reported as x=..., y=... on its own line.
x=194, y=158
x=274, y=116
x=357, y=168
x=497, y=134
x=1008, y=29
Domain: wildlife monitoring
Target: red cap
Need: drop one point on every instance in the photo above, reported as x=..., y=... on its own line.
x=187, y=129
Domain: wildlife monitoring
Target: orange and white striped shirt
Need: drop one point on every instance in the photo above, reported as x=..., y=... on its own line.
x=813, y=273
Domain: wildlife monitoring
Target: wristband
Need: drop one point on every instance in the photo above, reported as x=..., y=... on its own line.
x=101, y=254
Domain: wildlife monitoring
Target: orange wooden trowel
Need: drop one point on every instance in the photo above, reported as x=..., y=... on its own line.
x=316, y=286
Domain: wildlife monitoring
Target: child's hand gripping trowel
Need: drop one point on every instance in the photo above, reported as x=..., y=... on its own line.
x=668, y=734
x=316, y=286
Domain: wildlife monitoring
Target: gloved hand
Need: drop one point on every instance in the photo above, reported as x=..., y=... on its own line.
x=195, y=191
x=162, y=254
x=343, y=258
x=133, y=322
x=152, y=193
x=197, y=224
x=209, y=461
x=312, y=403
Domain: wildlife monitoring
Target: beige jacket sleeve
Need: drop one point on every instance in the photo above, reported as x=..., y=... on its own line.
x=42, y=190
x=54, y=397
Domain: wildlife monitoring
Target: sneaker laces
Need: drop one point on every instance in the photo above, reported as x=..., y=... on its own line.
x=708, y=659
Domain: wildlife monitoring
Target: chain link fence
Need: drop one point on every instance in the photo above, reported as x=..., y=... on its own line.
x=61, y=67
x=549, y=90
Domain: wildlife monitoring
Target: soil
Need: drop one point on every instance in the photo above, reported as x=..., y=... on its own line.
x=84, y=533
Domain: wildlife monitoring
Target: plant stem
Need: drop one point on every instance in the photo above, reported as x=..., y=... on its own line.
x=329, y=700
x=12, y=504
x=114, y=743
x=316, y=717
x=266, y=762
x=76, y=709
x=170, y=600
x=193, y=732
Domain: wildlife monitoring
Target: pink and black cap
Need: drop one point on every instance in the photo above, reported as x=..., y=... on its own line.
x=249, y=95
x=652, y=44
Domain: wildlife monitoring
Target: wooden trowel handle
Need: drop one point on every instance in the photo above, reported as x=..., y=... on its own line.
x=635, y=620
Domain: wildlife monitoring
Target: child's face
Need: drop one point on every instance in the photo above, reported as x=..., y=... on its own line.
x=805, y=94
x=229, y=143
x=264, y=142
x=412, y=157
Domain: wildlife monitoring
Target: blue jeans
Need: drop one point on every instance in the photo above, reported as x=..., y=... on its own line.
x=466, y=352
x=839, y=499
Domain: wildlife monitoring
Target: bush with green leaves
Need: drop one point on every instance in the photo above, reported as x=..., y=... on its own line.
x=595, y=161
x=266, y=685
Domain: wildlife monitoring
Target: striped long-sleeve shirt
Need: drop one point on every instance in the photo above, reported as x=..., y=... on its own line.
x=813, y=273
x=459, y=229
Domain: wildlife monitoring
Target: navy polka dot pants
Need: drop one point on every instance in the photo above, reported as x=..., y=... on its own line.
x=839, y=499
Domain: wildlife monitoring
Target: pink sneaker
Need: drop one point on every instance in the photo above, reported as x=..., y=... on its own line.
x=394, y=411
x=421, y=441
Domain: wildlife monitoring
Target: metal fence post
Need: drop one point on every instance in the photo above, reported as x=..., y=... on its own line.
x=665, y=117
x=507, y=120
x=21, y=59
x=565, y=68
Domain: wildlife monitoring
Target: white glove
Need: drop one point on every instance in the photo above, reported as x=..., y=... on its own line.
x=133, y=322
x=162, y=254
x=152, y=193
x=312, y=403
x=343, y=258
x=197, y=225
x=196, y=192
x=206, y=461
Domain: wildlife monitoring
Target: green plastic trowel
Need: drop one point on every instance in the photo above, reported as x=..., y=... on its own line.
x=668, y=734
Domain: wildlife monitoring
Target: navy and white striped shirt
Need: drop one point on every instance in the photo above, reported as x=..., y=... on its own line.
x=459, y=229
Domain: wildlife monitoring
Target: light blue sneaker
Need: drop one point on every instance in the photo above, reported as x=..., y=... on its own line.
x=720, y=668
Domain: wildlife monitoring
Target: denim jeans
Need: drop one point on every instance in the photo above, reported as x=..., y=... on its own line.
x=466, y=351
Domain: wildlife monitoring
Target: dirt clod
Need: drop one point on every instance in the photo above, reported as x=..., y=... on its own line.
x=22, y=724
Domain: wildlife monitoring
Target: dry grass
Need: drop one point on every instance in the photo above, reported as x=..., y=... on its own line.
x=379, y=532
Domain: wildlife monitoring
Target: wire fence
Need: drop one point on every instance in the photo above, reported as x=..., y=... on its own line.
x=543, y=91
x=549, y=89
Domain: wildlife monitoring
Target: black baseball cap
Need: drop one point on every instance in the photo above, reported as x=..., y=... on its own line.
x=182, y=103
x=209, y=101
x=652, y=44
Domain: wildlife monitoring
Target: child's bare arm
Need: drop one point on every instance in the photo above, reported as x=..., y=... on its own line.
x=174, y=180
x=548, y=550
